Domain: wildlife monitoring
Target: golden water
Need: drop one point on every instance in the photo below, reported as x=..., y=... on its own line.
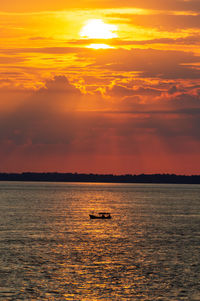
x=51, y=250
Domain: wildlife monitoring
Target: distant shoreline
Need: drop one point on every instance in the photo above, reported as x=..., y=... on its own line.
x=100, y=178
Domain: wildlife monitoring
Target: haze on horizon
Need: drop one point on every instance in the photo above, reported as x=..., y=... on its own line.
x=127, y=101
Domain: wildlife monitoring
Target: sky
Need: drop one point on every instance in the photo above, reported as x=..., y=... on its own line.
x=100, y=86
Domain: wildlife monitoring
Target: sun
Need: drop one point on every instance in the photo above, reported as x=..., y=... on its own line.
x=99, y=46
x=97, y=29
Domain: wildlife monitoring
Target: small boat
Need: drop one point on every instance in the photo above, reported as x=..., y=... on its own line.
x=100, y=215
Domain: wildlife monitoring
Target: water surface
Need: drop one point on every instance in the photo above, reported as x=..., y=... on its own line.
x=51, y=250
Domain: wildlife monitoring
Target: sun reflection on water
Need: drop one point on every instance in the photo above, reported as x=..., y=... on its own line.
x=96, y=256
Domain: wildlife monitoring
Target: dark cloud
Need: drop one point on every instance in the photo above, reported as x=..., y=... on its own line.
x=60, y=84
x=47, y=50
x=122, y=91
x=55, y=114
x=167, y=64
x=189, y=40
x=172, y=90
x=56, y=124
x=11, y=60
x=149, y=62
x=161, y=21
x=191, y=5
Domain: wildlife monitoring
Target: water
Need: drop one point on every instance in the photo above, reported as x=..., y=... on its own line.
x=51, y=250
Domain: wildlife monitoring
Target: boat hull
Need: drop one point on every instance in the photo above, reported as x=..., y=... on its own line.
x=99, y=217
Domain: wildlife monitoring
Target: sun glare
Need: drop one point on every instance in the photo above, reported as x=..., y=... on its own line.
x=97, y=29
x=99, y=46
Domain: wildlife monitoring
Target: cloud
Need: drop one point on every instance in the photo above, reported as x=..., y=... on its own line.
x=167, y=64
x=58, y=123
x=60, y=84
x=23, y=6
x=122, y=91
x=192, y=5
x=161, y=21
x=60, y=113
x=39, y=116
x=48, y=50
x=189, y=40
x=10, y=60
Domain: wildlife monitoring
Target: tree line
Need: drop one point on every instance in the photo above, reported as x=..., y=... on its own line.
x=107, y=178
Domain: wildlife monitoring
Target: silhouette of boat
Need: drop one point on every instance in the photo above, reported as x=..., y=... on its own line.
x=100, y=215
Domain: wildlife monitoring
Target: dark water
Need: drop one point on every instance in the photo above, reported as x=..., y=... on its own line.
x=51, y=250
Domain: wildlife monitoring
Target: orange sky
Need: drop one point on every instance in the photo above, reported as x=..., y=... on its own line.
x=123, y=97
